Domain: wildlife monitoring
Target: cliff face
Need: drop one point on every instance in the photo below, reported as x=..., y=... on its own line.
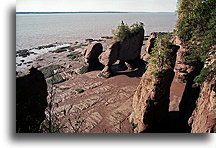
x=151, y=100
x=182, y=69
x=203, y=117
x=31, y=93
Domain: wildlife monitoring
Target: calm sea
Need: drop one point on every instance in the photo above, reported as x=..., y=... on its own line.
x=33, y=30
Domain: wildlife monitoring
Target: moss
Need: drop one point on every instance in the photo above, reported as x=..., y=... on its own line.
x=75, y=47
x=45, y=46
x=105, y=75
x=49, y=70
x=73, y=56
x=79, y=90
x=62, y=49
x=106, y=37
x=70, y=72
x=83, y=69
x=23, y=53
x=65, y=88
x=57, y=78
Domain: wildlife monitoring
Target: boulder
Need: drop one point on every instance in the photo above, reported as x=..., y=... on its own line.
x=92, y=53
x=110, y=56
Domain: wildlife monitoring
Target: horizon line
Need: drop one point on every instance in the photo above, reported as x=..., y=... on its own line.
x=47, y=12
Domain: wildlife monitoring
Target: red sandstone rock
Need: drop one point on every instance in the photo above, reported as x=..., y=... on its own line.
x=110, y=56
x=181, y=68
x=150, y=43
x=131, y=47
x=92, y=53
x=203, y=117
x=151, y=100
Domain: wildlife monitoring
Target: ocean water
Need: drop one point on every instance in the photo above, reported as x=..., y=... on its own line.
x=33, y=30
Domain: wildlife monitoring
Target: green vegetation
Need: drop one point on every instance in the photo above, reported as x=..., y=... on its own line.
x=202, y=76
x=62, y=49
x=75, y=47
x=124, y=31
x=64, y=88
x=49, y=70
x=160, y=55
x=104, y=75
x=83, y=69
x=57, y=78
x=23, y=53
x=196, y=27
x=74, y=55
x=106, y=37
x=79, y=90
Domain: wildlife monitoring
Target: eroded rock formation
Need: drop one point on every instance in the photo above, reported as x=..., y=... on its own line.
x=109, y=57
x=151, y=100
x=150, y=42
x=203, y=117
x=182, y=69
x=127, y=51
x=91, y=55
x=31, y=102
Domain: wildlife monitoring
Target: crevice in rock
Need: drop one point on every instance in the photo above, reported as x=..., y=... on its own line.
x=176, y=120
x=189, y=98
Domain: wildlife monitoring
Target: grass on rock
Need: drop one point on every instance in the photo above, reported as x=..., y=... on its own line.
x=49, y=70
x=57, y=78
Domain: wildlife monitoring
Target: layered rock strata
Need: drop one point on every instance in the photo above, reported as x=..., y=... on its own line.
x=127, y=51
x=151, y=100
x=182, y=69
x=203, y=117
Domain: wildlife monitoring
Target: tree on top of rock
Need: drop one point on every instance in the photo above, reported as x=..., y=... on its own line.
x=124, y=31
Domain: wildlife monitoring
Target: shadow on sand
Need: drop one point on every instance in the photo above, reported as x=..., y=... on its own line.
x=137, y=72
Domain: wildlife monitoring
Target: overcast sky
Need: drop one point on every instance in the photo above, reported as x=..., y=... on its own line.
x=96, y=5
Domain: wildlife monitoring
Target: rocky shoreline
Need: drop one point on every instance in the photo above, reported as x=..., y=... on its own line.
x=92, y=86
x=27, y=58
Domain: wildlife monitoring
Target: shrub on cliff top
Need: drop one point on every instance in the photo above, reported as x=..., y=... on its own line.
x=124, y=31
x=196, y=27
x=160, y=55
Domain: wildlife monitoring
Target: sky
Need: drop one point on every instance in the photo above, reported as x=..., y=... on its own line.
x=96, y=5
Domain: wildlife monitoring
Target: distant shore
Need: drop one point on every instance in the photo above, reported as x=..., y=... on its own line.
x=85, y=12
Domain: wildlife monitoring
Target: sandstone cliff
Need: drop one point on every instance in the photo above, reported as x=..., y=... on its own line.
x=182, y=69
x=151, y=100
x=203, y=118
